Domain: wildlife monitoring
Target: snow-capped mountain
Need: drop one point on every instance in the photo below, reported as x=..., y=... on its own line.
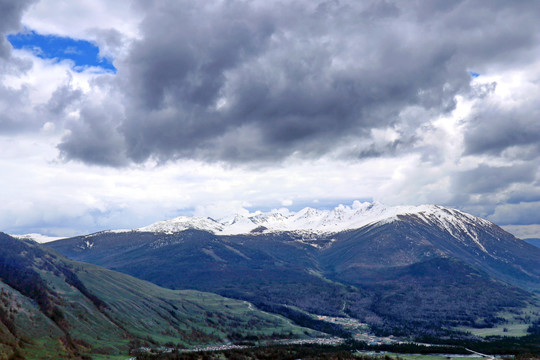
x=423, y=263
x=182, y=223
x=314, y=220
x=40, y=238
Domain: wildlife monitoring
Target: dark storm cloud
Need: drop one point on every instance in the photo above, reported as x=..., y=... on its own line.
x=96, y=124
x=494, y=129
x=109, y=41
x=10, y=20
x=524, y=195
x=517, y=214
x=489, y=179
x=62, y=98
x=258, y=81
x=13, y=117
x=13, y=102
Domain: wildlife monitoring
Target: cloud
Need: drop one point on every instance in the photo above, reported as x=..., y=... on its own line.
x=523, y=231
x=10, y=20
x=64, y=96
x=517, y=214
x=294, y=83
x=96, y=124
x=84, y=19
x=13, y=103
x=257, y=81
x=15, y=114
x=47, y=92
x=488, y=179
x=227, y=103
x=497, y=125
x=524, y=194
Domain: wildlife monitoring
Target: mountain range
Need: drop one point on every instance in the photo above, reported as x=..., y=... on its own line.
x=409, y=270
x=53, y=307
x=309, y=220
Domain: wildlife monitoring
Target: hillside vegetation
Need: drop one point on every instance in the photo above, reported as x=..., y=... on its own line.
x=52, y=307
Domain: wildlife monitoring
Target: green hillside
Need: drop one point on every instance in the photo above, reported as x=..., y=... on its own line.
x=52, y=307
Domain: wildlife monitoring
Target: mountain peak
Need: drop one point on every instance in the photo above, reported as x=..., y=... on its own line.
x=342, y=217
x=182, y=223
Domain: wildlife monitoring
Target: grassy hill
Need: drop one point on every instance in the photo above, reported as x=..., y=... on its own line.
x=52, y=307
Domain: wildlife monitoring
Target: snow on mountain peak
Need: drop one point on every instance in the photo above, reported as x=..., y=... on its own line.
x=182, y=223
x=40, y=238
x=340, y=218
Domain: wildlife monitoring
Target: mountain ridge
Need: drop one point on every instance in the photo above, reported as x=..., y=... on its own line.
x=308, y=219
x=371, y=272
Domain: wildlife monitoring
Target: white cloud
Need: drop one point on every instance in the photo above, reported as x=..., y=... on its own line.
x=286, y=202
x=523, y=231
x=77, y=19
x=41, y=193
x=45, y=76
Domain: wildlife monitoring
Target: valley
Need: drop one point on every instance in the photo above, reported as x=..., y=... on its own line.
x=405, y=274
x=51, y=307
x=426, y=279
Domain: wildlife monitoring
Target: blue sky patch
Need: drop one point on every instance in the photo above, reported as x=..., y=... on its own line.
x=83, y=53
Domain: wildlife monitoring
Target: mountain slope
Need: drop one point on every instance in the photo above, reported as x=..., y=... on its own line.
x=426, y=266
x=51, y=306
x=418, y=237
x=533, y=241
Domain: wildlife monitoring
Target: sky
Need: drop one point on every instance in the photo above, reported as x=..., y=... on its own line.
x=120, y=114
